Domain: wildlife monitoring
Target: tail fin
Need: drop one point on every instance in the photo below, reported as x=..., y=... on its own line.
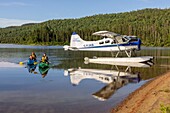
x=76, y=41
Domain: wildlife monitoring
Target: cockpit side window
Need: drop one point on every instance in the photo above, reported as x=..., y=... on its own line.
x=113, y=42
x=107, y=41
x=125, y=39
x=101, y=42
x=133, y=39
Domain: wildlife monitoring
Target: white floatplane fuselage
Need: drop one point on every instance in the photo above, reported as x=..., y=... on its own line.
x=108, y=43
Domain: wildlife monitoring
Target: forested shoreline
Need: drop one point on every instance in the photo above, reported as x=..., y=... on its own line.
x=151, y=25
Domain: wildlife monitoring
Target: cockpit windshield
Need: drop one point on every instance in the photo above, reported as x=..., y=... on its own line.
x=133, y=38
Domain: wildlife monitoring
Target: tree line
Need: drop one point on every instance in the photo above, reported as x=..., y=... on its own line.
x=151, y=25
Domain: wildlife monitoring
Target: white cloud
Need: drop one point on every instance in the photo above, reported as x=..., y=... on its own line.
x=7, y=4
x=14, y=22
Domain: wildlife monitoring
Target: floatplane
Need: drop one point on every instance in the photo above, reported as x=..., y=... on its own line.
x=111, y=42
x=112, y=78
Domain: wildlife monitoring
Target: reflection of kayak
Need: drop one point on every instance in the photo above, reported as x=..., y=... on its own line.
x=43, y=68
x=31, y=67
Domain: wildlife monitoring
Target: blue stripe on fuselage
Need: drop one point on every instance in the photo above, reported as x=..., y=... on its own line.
x=112, y=45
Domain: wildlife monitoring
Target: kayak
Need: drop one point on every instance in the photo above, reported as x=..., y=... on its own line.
x=43, y=65
x=43, y=68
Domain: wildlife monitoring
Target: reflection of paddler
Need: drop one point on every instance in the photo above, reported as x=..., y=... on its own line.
x=43, y=75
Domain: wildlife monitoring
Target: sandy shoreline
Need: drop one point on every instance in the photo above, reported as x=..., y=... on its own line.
x=148, y=98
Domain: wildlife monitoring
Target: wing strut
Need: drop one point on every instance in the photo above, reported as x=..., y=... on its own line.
x=128, y=52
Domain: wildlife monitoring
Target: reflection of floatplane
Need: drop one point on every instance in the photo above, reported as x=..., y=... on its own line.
x=114, y=79
x=111, y=42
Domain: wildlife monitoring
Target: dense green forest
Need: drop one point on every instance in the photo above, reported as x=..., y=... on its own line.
x=151, y=25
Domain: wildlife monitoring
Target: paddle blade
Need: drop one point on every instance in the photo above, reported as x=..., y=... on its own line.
x=21, y=63
x=35, y=63
x=35, y=72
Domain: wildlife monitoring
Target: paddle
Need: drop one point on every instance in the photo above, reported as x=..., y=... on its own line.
x=21, y=63
x=35, y=63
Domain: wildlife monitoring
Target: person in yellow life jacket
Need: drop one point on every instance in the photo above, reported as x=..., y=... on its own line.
x=34, y=57
x=44, y=58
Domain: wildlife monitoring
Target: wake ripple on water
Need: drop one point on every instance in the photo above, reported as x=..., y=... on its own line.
x=9, y=65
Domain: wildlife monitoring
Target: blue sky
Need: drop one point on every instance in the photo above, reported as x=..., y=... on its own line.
x=16, y=12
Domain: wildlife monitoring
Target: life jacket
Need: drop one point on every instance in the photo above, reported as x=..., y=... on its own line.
x=43, y=59
x=30, y=61
x=33, y=56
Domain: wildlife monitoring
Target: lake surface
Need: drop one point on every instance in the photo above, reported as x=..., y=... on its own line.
x=70, y=86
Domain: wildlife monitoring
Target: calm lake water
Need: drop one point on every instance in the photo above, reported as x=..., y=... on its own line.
x=70, y=86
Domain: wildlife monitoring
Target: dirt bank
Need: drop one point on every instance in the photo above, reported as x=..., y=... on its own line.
x=148, y=98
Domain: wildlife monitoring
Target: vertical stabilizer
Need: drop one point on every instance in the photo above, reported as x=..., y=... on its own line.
x=76, y=41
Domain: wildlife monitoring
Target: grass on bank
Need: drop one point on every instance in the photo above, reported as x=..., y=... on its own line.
x=165, y=109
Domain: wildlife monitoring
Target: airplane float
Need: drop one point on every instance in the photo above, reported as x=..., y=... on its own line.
x=111, y=42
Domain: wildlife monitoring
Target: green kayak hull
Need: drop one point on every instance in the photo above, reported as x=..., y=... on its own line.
x=43, y=68
x=43, y=65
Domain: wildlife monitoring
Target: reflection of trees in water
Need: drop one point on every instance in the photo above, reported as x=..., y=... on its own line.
x=66, y=64
x=107, y=91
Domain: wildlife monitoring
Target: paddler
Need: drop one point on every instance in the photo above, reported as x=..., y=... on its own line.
x=34, y=57
x=30, y=60
x=44, y=58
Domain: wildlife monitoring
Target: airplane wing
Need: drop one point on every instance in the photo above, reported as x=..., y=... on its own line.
x=105, y=33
